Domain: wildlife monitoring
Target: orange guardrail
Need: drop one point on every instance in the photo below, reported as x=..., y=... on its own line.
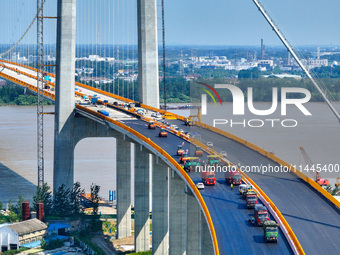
x=170, y=159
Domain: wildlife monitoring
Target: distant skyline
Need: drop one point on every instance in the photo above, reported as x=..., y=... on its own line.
x=187, y=22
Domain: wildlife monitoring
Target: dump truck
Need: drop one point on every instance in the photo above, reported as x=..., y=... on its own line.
x=270, y=231
x=233, y=176
x=251, y=198
x=261, y=214
x=208, y=177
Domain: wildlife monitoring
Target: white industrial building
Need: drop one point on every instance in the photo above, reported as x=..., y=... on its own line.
x=14, y=235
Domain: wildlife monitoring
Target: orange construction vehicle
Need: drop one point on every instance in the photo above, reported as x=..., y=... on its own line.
x=152, y=125
x=163, y=133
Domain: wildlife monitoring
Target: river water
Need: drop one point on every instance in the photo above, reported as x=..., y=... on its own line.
x=95, y=157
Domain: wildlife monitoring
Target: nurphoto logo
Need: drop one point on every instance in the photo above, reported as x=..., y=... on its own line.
x=238, y=105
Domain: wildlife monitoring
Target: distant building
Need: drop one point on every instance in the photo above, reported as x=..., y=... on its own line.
x=14, y=235
x=312, y=63
x=265, y=64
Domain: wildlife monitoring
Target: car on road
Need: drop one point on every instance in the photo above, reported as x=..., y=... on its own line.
x=200, y=185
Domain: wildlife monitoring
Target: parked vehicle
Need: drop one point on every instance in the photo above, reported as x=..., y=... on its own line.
x=233, y=176
x=198, y=152
x=261, y=214
x=163, y=133
x=208, y=178
x=270, y=231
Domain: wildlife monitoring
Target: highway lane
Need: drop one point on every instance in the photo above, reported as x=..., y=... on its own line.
x=313, y=219
x=227, y=208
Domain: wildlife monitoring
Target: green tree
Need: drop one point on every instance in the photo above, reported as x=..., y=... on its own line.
x=95, y=197
x=62, y=201
x=13, y=217
x=1, y=205
x=19, y=206
x=43, y=195
x=76, y=194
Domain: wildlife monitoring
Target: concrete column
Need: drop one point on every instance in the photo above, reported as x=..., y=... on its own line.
x=148, y=52
x=178, y=215
x=64, y=95
x=142, y=200
x=194, y=225
x=123, y=170
x=207, y=245
x=160, y=208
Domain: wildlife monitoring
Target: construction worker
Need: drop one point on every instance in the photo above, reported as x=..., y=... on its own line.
x=231, y=186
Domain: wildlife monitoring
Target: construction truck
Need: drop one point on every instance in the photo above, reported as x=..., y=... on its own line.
x=261, y=214
x=208, y=177
x=233, y=176
x=270, y=231
x=251, y=198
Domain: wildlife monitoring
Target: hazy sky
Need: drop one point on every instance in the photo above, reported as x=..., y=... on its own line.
x=199, y=22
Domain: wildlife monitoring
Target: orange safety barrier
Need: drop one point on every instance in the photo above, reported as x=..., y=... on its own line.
x=171, y=160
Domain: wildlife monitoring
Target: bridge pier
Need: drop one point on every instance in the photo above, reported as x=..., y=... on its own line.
x=207, y=245
x=194, y=225
x=142, y=198
x=64, y=95
x=160, y=208
x=178, y=215
x=123, y=171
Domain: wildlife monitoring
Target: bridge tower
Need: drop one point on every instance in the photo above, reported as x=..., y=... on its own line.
x=148, y=52
x=64, y=94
